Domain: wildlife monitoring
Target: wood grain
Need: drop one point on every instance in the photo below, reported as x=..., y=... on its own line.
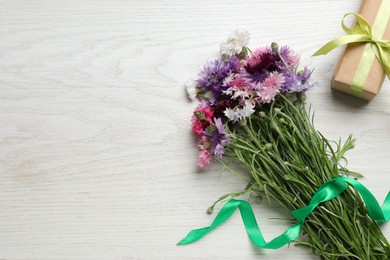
x=97, y=159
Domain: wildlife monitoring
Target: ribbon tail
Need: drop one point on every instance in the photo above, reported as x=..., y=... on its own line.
x=326, y=192
x=341, y=41
x=256, y=236
x=225, y=213
x=251, y=227
x=194, y=235
x=376, y=212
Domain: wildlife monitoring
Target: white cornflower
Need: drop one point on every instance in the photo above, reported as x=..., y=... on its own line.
x=247, y=110
x=229, y=91
x=236, y=93
x=231, y=114
x=233, y=45
x=241, y=94
x=240, y=113
x=191, y=89
x=228, y=79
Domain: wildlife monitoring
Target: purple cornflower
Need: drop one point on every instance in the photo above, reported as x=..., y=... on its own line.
x=289, y=56
x=218, y=138
x=213, y=75
x=304, y=74
x=290, y=77
x=298, y=82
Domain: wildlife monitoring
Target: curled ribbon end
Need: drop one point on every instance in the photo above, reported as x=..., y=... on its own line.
x=185, y=241
x=326, y=192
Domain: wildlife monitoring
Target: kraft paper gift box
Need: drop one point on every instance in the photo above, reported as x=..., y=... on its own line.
x=359, y=73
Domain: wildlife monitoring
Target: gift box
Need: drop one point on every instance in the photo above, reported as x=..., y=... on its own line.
x=359, y=73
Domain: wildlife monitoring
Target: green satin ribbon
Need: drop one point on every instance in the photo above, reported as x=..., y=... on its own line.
x=327, y=191
x=363, y=33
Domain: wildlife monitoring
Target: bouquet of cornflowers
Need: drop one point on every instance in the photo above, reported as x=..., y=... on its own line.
x=252, y=112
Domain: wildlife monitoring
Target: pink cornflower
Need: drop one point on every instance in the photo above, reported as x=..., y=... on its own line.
x=204, y=157
x=239, y=89
x=197, y=126
x=209, y=114
x=293, y=59
x=268, y=89
x=256, y=57
x=238, y=83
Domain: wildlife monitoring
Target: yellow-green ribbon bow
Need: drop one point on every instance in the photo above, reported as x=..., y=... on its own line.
x=362, y=32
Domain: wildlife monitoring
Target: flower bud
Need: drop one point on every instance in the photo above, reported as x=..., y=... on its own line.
x=207, y=145
x=275, y=46
x=282, y=120
x=302, y=96
x=210, y=210
x=277, y=110
x=262, y=114
x=211, y=128
x=268, y=146
x=199, y=115
x=242, y=122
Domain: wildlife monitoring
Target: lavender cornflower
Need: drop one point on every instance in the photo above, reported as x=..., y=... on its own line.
x=298, y=82
x=218, y=137
x=212, y=77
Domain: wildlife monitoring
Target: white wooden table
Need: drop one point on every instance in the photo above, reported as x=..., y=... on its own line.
x=97, y=159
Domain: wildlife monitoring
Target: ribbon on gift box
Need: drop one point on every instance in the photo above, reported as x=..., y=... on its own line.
x=376, y=47
x=326, y=192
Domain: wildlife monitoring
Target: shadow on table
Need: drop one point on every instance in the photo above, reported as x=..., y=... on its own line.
x=348, y=100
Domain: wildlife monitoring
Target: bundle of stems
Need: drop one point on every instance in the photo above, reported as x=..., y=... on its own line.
x=288, y=160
